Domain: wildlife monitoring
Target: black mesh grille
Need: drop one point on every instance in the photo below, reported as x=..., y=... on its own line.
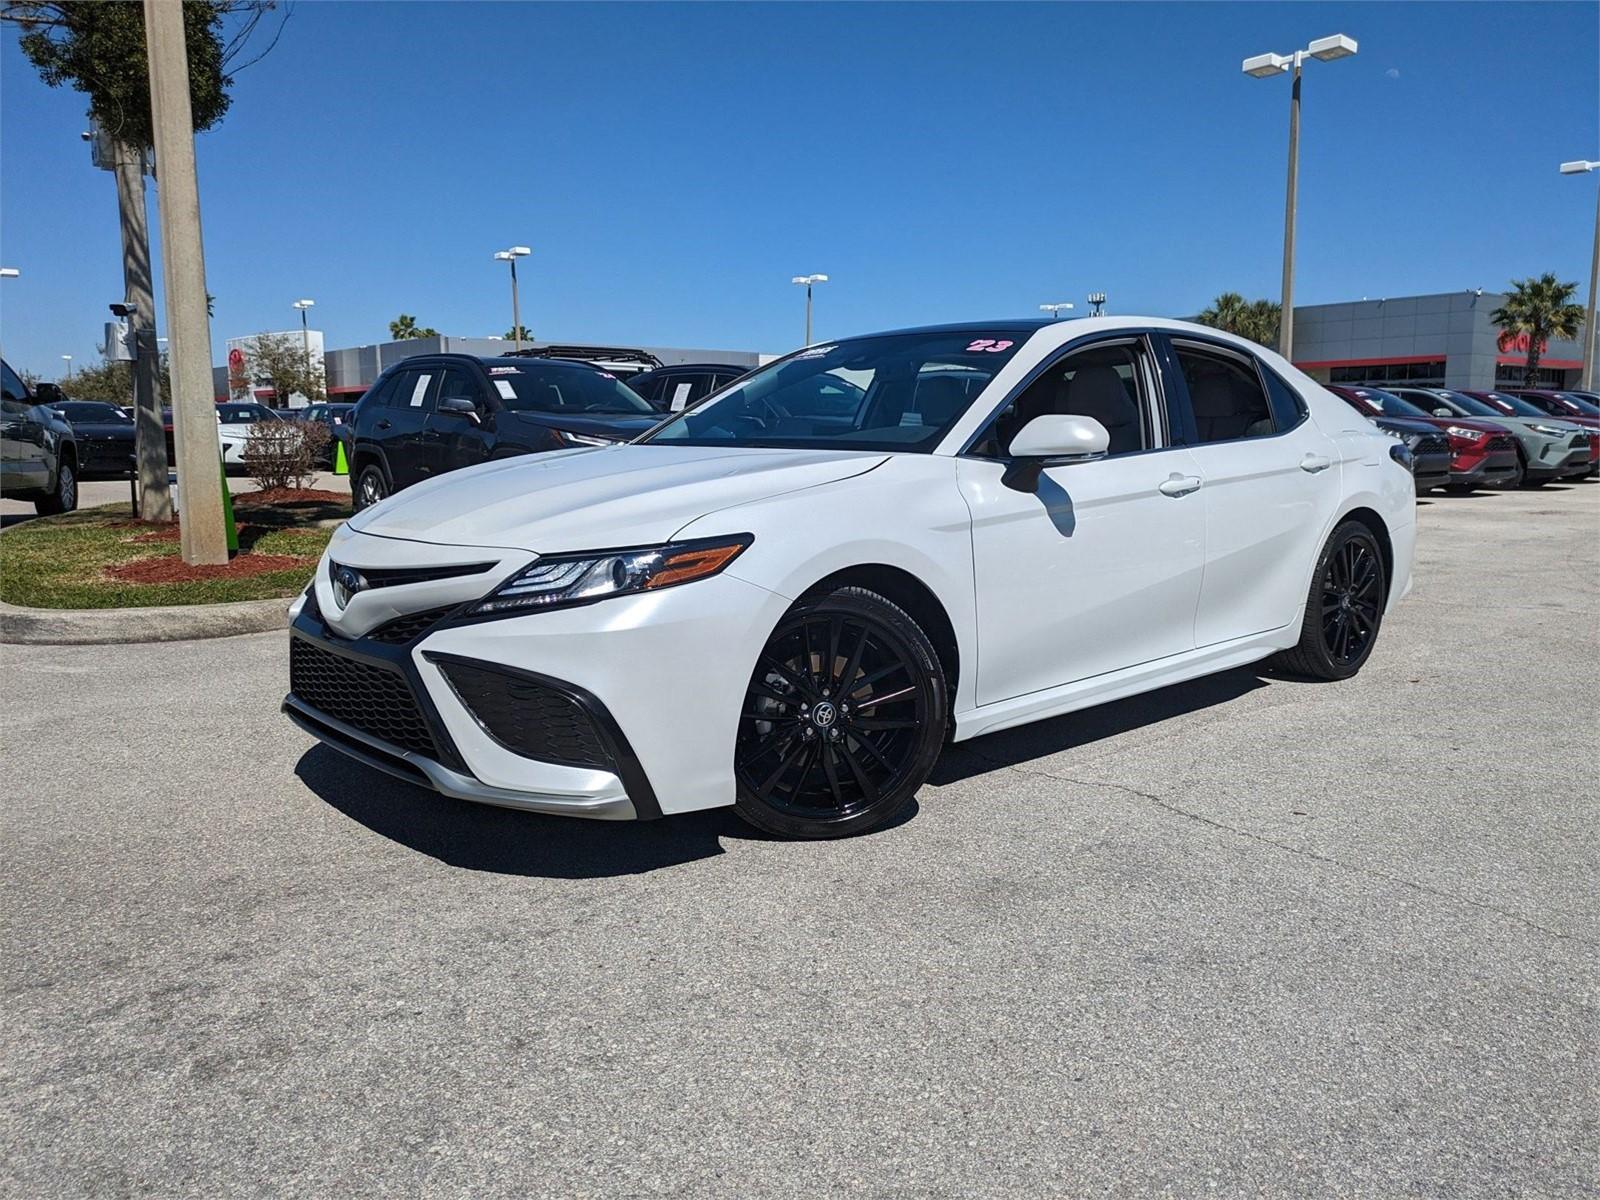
x=403, y=630
x=1432, y=443
x=527, y=717
x=1502, y=441
x=373, y=700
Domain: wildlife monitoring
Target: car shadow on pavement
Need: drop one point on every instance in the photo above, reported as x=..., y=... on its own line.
x=1043, y=738
x=480, y=837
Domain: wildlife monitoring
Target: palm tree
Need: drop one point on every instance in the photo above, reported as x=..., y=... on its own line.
x=1254, y=319
x=1538, y=309
x=404, y=327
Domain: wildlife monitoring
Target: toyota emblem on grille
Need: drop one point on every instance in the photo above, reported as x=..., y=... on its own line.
x=346, y=583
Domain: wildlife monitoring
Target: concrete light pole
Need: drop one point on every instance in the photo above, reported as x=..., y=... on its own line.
x=203, y=536
x=68, y=358
x=807, y=281
x=1583, y=167
x=305, y=334
x=1264, y=66
x=1054, y=309
x=511, y=256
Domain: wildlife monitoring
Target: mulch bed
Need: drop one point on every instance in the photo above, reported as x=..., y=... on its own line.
x=289, y=496
x=172, y=569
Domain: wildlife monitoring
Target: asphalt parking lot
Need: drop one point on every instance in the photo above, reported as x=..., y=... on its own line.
x=1247, y=936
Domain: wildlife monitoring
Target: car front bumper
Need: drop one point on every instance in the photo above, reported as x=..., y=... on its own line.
x=656, y=682
x=1430, y=470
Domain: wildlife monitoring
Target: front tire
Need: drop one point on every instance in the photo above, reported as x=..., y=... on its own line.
x=843, y=719
x=1344, y=607
x=372, y=485
x=65, y=497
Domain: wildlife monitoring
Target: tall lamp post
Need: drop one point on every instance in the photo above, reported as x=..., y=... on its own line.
x=511, y=256
x=1583, y=167
x=1264, y=66
x=807, y=281
x=68, y=359
x=9, y=273
x=1054, y=309
x=305, y=334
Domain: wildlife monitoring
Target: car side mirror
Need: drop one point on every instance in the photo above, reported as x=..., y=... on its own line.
x=458, y=406
x=1052, y=440
x=1443, y=412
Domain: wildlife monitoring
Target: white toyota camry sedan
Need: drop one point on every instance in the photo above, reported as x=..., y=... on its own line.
x=788, y=598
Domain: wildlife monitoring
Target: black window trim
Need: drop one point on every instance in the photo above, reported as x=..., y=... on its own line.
x=1160, y=416
x=1181, y=385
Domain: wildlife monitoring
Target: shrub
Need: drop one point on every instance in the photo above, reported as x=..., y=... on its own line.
x=284, y=454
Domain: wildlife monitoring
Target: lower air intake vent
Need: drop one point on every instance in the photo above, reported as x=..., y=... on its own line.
x=526, y=716
x=373, y=700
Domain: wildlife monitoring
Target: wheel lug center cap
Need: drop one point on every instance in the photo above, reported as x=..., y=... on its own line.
x=824, y=715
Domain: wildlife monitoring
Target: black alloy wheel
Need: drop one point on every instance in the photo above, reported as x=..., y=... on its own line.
x=1344, y=608
x=65, y=497
x=371, y=486
x=843, y=719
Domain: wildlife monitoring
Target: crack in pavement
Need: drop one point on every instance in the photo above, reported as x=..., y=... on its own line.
x=1298, y=851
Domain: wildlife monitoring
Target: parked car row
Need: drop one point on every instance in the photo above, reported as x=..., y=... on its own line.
x=1465, y=440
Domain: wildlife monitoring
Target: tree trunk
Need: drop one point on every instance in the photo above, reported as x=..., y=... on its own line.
x=150, y=439
x=1530, y=374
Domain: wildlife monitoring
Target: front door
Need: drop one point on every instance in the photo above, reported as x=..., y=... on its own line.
x=1100, y=568
x=22, y=437
x=402, y=424
x=456, y=440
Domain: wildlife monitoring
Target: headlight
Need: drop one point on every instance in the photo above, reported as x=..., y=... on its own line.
x=1461, y=431
x=567, y=579
x=1549, y=430
x=584, y=439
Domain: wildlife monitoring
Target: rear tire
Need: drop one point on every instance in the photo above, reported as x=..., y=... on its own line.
x=843, y=720
x=1344, y=607
x=1460, y=489
x=1515, y=481
x=65, y=497
x=372, y=485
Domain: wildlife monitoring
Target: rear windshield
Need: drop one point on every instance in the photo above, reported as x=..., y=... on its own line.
x=536, y=387
x=898, y=391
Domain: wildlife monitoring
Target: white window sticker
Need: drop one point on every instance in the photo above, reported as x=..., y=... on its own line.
x=507, y=392
x=420, y=392
x=680, y=396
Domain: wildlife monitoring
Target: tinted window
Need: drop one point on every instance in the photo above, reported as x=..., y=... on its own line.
x=243, y=414
x=88, y=410
x=861, y=393
x=1586, y=408
x=457, y=383
x=413, y=388
x=1387, y=403
x=1225, y=395
x=551, y=388
x=649, y=386
x=1288, y=407
x=1109, y=383
x=14, y=390
x=1514, y=405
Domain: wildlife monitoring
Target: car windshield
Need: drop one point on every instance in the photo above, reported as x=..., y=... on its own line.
x=88, y=410
x=1468, y=406
x=537, y=387
x=1389, y=404
x=1585, y=407
x=1515, y=404
x=242, y=414
x=900, y=391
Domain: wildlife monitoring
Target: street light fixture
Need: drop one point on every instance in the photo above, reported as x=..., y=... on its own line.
x=510, y=256
x=807, y=281
x=305, y=334
x=1583, y=167
x=68, y=357
x=9, y=273
x=1098, y=301
x=1054, y=309
x=1264, y=66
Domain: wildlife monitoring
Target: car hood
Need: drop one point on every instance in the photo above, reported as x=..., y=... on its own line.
x=121, y=431
x=620, y=495
x=1403, y=424
x=617, y=426
x=1526, y=424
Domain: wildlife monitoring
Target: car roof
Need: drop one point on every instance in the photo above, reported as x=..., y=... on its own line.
x=706, y=366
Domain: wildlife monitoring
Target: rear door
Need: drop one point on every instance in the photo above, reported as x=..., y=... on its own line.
x=402, y=422
x=1269, y=476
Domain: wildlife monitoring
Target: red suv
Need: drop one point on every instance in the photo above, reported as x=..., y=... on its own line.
x=1482, y=454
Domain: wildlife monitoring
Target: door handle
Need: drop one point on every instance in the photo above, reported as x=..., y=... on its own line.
x=382, y=425
x=1180, y=485
x=1312, y=463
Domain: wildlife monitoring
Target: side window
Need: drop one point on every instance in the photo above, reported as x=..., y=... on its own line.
x=14, y=390
x=381, y=393
x=1288, y=408
x=457, y=383
x=684, y=390
x=1225, y=395
x=1111, y=383
x=413, y=388
x=649, y=388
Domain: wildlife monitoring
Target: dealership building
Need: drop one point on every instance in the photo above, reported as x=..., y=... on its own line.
x=1443, y=340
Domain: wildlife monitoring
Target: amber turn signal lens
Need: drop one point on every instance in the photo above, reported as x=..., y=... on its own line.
x=692, y=564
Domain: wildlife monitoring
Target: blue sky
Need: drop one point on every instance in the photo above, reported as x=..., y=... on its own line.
x=672, y=166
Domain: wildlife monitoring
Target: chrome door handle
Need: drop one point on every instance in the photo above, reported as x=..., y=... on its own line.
x=383, y=425
x=1180, y=485
x=1312, y=463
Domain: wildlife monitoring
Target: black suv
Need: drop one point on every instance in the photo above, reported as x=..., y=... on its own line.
x=683, y=385
x=40, y=453
x=437, y=412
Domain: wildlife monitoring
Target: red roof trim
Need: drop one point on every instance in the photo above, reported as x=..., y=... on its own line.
x=1373, y=362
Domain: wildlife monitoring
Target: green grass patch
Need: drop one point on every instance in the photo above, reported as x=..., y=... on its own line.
x=72, y=561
